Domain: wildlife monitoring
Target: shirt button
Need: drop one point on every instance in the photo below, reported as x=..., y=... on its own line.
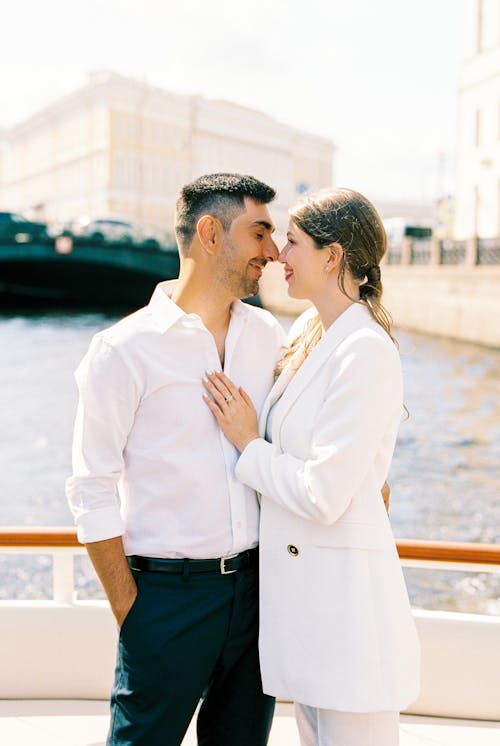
x=292, y=549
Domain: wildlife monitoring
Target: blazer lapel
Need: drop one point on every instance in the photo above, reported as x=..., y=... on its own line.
x=353, y=318
x=279, y=386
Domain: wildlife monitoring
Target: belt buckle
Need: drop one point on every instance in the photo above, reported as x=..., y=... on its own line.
x=223, y=570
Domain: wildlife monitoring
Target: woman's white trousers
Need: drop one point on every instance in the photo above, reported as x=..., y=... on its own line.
x=334, y=728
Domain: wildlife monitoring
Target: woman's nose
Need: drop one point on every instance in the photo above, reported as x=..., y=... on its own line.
x=283, y=254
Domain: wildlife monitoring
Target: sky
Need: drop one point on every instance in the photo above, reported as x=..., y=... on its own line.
x=379, y=78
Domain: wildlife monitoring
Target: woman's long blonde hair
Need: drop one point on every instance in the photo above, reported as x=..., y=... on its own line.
x=345, y=217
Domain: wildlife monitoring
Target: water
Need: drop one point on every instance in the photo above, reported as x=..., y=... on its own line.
x=445, y=476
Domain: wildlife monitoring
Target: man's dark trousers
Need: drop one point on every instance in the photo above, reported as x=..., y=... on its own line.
x=186, y=636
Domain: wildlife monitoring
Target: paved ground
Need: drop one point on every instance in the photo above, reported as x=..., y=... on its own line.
x=84, y=723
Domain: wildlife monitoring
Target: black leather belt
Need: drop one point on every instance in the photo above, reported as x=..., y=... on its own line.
x=222, y=565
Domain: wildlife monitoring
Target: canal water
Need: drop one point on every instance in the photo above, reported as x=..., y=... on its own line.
x=445, y=476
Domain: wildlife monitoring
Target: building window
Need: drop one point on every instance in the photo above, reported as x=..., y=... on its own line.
x=479, y=20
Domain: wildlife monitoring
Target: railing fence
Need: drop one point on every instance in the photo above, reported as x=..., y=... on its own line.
x=62, y=544
x=447, y=251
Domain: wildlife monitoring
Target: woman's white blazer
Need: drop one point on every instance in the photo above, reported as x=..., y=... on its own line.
x=336, y=629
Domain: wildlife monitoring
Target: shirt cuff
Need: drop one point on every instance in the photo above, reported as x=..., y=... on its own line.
x=98, y=525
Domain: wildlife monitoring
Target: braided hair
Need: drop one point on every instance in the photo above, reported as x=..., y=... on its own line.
x=345, y=217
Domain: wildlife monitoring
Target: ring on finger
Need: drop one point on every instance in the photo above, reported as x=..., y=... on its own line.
x=228, y=398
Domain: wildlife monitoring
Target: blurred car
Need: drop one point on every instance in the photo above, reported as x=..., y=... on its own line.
x=101, y=229
x=15, y=227
x=109, y=230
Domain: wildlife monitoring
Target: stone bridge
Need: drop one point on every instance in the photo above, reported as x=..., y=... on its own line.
x=101, y=275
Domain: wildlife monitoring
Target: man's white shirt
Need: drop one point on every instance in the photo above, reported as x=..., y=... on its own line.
x=149, y=460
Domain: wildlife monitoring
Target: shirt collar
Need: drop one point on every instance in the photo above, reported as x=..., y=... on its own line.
x=163, y=310
x=166, y=313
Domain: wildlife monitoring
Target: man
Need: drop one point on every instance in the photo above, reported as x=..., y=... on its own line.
x=170, y=531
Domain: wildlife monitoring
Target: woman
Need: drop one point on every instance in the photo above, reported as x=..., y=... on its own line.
x=337, y=636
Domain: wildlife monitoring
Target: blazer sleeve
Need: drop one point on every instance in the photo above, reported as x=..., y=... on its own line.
x=363, y=398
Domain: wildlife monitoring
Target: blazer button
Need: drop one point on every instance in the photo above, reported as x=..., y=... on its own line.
x=292, y=549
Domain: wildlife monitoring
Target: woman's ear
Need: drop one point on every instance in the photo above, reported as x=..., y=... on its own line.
x=336, y=254
x=209, y=232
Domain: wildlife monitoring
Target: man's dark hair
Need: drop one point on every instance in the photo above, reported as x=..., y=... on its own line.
x=219, y=195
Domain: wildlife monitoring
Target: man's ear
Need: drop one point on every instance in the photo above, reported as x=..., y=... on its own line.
x=336, y=254
x=209, y=232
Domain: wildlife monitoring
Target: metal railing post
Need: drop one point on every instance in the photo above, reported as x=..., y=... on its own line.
x=471, y=246
x=435, y=250
x=406, y=247
x=63, y=577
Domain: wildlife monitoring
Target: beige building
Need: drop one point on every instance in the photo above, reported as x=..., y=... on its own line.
x=478, y=174
x=121, y=147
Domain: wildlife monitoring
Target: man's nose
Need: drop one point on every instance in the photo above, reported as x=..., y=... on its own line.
x=271, y=251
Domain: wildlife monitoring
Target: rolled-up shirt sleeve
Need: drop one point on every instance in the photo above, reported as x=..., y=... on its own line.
x=108, y=400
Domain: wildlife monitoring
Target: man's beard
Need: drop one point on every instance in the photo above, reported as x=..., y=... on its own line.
x=248, y=285
x=241, y=285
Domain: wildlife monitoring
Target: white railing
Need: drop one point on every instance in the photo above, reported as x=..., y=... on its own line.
x=61, y=543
